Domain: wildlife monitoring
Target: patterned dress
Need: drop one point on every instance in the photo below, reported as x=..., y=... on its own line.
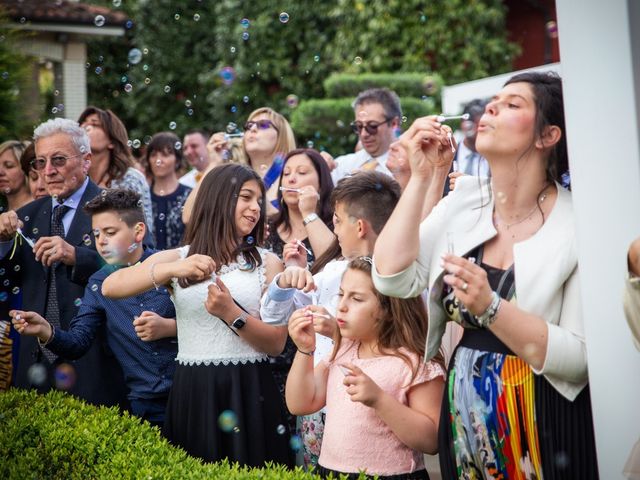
x=168, y=226
x=499, y=420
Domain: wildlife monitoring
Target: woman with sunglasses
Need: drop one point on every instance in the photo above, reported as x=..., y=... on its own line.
x=267, y=138
x=14, y=187
x=112, y=165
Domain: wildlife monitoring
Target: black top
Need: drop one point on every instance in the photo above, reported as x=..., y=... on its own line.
x=168, y=227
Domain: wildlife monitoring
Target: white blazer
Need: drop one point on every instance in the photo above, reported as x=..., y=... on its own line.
x=546, y=275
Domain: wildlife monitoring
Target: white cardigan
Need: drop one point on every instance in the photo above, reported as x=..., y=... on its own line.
x=546, y=275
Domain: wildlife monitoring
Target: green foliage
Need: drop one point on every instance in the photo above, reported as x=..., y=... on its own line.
x=325, y=122
x=412, y=84
x=460, y=39
x=12, y=76
x=56, y=436
x=188, y=45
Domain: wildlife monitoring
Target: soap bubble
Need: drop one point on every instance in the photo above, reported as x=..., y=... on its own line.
x=16, y=268
x=178, y=145
x=86, y=239
x=284, y=17
x=231, y=127
x=228, y=75
x=250, y=240
x=187, y=103
x=6, y=283
x=1, y=271
x=116, y=3
x=99, y=21
x=37, y=374
x=292, y=100
x=129, y=24
x=245, y=23
x=295, y=443
x=172, y=125
x=135, y=55
x=98, y=70
x=65, y=376
x=310, y=144
x=552, y=29
x=357, y=60
x=161, y=216
x=4, y=296
x=136, y=143
x=316, y=58
x=128, y=87
x=132, y=247
x=94, y=288
x=77, y=302
x=227, y=421
x=15, y=290
x=245, y=36
x=196, y=17
x=245, y=99
x=177, y=16
x=232, y=49
x=281, y=429
x=167, y=89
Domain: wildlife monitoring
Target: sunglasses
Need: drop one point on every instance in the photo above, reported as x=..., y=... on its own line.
x=57, y=161
x=261, y=124
x=370, y=127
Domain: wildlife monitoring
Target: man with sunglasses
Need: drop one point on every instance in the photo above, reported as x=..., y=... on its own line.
x=52, y=268
x=377, y=117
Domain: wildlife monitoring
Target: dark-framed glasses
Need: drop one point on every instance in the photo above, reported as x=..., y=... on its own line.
x=57, y=161
x=370, y=127
x=261, y=124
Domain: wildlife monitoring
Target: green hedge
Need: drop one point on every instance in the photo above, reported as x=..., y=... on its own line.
x=325, y=122
x=56, y=436
x=414, y=84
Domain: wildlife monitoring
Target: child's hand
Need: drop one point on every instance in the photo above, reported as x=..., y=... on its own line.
x=195, y=268
x=219, y=300
x=294, y=255
x=301, y=330
x=323, y=322
x=296, y=277
x=30, y=324
x=360, y=387
x=150, y=326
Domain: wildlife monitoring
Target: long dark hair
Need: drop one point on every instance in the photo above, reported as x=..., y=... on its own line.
x=547, y=95
x=403, y=323
x=120, y=158
x=212, y=228
x=325, y=182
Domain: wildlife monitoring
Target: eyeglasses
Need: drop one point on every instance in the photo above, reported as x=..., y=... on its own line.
x=57, y=161
x=261, y=124
x=370, y=127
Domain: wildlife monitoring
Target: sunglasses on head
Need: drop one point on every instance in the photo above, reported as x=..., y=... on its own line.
x=370, y=127
x=261, y=124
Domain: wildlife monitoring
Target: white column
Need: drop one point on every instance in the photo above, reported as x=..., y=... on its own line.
x=598, y=62
x=74, y=79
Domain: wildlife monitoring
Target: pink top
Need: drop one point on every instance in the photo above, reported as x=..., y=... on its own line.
x=355, y=438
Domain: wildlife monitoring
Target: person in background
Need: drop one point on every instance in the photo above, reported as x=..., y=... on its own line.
x=499, y=257
x=162, y=161
x=37, y=185
x=377, y=117
x=112, y=164
x=194, y=148
x=14, y=186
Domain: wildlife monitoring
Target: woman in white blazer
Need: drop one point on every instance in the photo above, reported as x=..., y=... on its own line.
x=499, y=257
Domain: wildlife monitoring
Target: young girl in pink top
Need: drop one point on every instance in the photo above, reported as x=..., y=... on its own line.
x=383, y=401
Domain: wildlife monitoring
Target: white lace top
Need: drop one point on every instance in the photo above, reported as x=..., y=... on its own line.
x=206, y=339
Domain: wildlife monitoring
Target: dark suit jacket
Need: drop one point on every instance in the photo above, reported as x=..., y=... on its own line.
x=99, y=376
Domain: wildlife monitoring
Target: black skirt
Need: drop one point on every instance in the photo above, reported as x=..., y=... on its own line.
x=228, y=411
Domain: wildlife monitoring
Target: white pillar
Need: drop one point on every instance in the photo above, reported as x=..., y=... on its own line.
x=74, y=79
x=598, y=63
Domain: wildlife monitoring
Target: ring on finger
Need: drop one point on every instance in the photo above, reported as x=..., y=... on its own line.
x=464, y=287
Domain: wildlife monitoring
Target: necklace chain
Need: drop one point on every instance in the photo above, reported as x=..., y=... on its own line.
x=528, y=215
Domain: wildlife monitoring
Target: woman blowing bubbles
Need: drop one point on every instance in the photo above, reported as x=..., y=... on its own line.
x=499, y=257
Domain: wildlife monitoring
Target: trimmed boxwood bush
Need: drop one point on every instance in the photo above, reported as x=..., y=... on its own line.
x=56, y=436
x=413, y=84
x=325, y=122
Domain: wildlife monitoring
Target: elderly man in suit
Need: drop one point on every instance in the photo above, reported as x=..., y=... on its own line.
x=53, y=274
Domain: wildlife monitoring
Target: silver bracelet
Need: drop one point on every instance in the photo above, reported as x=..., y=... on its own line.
x=53, y=334
x=489, y=316
x=153, y=277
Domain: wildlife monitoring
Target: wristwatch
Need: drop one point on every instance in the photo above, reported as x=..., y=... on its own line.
x=310, y=218
x=239, y=322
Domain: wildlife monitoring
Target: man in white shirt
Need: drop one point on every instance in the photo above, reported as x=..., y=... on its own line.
x=377, y=116
x=469, y=161
x=194, y=149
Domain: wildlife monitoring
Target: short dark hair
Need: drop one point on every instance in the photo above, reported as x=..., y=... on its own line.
x=126, y=203
x=385, y=97
x=475, y=109
x=199, y=131
x=166, y=142
x=368, y=195
x=27, y=157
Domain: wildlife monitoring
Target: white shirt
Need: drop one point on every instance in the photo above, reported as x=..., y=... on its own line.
x=189, y=178
x=348, y=164
x=470, y=162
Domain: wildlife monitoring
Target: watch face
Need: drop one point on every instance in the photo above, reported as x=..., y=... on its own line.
x=238, y=322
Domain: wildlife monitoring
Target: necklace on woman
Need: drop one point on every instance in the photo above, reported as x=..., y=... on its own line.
x=508, y=226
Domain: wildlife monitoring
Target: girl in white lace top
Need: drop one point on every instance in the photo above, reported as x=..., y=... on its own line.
x=224, y=402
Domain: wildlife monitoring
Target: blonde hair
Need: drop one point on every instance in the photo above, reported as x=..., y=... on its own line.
x=236, y=152
x=286, y=140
